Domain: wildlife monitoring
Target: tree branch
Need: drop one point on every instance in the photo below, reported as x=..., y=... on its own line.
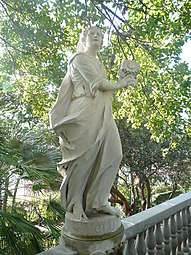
x=118, y=33
x=14, y=9
x=8, y=5
x=13, y=22
x=7, y=43
x=114, y=14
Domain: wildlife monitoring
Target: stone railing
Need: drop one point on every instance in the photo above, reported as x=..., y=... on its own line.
x=162, y=230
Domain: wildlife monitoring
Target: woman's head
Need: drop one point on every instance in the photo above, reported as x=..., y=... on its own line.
x=91, y=36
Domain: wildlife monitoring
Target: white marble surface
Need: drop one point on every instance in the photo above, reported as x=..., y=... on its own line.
x=96, y=225
x=59, y=250
x=100, y=233
x=89, y=139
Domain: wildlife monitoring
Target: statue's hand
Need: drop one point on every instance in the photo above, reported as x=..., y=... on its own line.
x=129, y=81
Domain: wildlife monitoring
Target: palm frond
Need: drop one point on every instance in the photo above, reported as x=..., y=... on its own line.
x=18, y=236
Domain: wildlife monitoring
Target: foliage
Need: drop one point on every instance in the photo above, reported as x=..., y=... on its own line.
x=18, y=236
x=144, y=170
x=44, y=211
x=39, y=35
x=162, y=197
x=31, y=228
x=179, y=162
x=28, y=155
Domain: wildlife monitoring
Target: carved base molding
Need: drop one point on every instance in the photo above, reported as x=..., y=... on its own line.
x=100, y=234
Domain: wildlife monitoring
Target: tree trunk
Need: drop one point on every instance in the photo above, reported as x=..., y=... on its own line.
x=118, y=197
x=5, y=198
x=148, y=192
x=15, y=193
x=174, y=188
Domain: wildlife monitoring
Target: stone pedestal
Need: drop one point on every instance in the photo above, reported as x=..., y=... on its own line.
x=100, y=234
x=58, y=250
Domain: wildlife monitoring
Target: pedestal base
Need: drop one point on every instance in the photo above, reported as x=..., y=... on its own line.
x=59, y=250
x=100, y=234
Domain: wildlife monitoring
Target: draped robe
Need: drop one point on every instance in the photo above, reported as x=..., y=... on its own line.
x=89, y=139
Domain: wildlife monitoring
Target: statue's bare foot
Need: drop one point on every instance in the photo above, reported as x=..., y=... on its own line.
x=109, y=210
x=92, y=211
x=79, y=212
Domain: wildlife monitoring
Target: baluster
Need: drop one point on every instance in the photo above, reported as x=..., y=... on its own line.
x=185, y=231
x=189, y=225
x=174, y=242
x=141, y=245
x=151, y=243
x=159, y=240
x=130, y=250
x=179, y=233
x=166, y=234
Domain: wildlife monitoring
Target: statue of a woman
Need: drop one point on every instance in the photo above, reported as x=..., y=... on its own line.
x=89, y=139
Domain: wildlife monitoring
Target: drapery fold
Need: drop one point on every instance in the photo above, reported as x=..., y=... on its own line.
x=90, y=144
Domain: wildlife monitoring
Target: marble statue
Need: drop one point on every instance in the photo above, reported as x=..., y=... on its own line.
x=89, y=139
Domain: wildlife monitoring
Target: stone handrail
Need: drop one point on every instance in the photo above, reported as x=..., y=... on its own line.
x=162, y=230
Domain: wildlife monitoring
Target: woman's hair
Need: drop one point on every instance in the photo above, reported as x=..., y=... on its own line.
x=82, y=41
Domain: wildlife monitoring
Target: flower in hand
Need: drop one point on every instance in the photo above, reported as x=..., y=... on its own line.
x=129, y=68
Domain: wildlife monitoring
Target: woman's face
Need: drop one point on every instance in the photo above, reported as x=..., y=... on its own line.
x=94, y=38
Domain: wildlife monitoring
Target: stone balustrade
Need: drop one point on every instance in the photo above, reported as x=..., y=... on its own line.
x=164, y=229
